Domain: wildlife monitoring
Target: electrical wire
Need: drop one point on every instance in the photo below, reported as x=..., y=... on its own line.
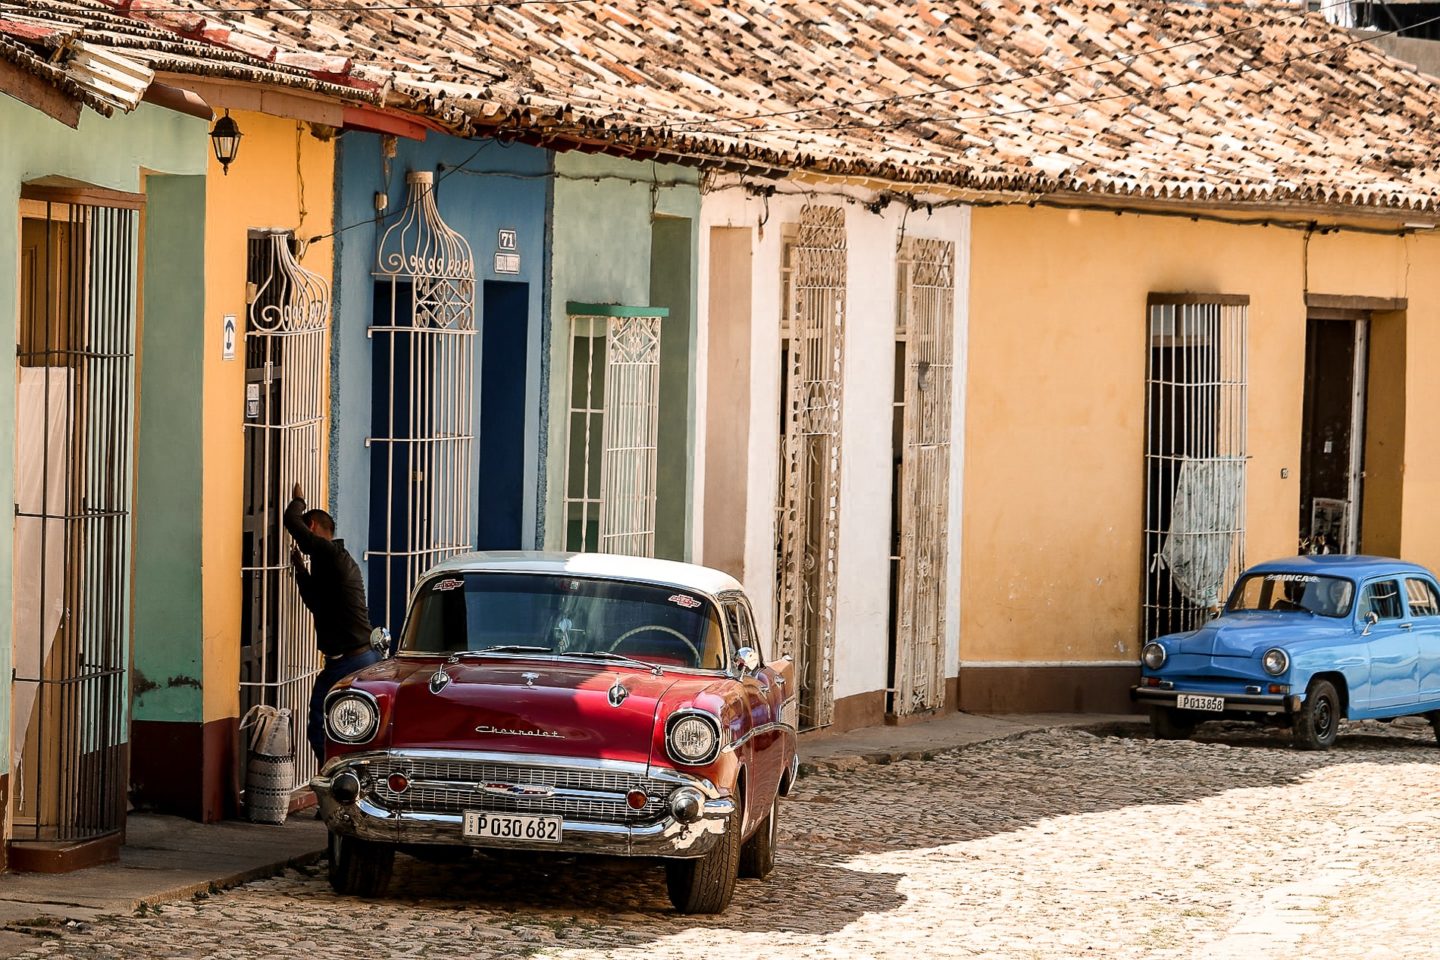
x=380, y=218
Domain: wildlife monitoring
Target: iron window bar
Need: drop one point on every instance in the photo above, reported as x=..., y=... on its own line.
x=287, y=359
x=423, y=481
x=809, y=496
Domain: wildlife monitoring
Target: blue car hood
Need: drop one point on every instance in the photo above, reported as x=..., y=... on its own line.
x=1251, y=634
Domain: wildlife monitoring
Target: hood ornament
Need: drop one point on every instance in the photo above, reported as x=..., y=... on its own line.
x=617, y=693
x=529, y=678
x=439, y=680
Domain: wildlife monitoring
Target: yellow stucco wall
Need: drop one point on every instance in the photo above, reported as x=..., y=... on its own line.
x=280, y=166
x=1054, y=485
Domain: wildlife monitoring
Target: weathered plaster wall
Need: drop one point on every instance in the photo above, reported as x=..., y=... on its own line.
x=499, y=187
x=862, y=625
x=1055, y=433
x=604, y=211
x=103, y=152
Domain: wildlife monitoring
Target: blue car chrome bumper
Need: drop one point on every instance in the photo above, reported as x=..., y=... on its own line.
x=1234, y=702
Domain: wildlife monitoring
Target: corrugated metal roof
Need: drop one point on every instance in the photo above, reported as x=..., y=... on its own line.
x=93, y=50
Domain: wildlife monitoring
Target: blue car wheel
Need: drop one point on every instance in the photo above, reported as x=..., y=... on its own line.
x=1318, y=721
x=1167, y=723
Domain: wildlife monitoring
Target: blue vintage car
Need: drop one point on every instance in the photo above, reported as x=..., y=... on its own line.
x=1304, y=641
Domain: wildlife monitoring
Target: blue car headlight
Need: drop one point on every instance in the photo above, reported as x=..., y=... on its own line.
x=1153, y=656
x=1275, y=661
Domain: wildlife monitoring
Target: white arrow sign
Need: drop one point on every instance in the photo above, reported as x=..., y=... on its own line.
x=227, y=343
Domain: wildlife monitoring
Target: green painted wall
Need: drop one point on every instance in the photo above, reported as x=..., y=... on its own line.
x=106, y=153
x=672, y=285
x=608, y=216
x=168, y=607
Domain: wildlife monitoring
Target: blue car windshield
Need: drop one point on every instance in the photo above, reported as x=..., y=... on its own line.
x=1299, y=592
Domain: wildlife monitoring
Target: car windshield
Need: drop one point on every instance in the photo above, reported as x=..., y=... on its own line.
x=564, y=616
x=1301, y=592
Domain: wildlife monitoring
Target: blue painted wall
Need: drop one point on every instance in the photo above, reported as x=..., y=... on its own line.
x=482, y=187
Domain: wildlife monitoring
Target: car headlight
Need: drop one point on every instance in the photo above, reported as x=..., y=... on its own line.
x=1153, y=656
x=693, y=738
x=1276, y=661
x=352, y=718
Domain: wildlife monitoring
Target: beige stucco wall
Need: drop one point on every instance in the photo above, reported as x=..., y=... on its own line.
x=1054, y=441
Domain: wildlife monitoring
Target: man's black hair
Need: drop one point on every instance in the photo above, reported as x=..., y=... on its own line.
x=321, y=519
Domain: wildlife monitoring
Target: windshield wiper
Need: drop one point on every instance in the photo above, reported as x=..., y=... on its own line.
x=502, y=648
x=617, y=657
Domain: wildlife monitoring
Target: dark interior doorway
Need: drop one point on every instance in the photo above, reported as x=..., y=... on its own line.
x=1332, y=441
x=505, y=330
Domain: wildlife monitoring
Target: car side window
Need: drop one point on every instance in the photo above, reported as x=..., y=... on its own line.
x=752, y=639
x=1381, y=598
x=1423, y=599
x=737, y=623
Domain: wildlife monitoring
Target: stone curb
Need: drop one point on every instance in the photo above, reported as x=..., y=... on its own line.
x=207, y=887
x=845, y=763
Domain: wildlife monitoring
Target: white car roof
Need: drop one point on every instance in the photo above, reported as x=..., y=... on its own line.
x=610, y=566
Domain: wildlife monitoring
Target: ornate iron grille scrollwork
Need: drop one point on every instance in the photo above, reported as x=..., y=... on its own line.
x=809, y=523
x=422, y=472
x=285, y=424
x=926, y=313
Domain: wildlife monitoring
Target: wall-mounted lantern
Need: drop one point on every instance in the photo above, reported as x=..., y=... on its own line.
x=225, y=138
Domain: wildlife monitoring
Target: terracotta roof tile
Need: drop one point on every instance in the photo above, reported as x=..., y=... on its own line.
x=1128, y=97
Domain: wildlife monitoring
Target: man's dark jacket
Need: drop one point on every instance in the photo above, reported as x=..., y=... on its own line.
x=332, y=588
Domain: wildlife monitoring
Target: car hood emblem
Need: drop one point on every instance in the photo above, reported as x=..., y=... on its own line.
x=508, y=732
x=529, y=678
x=517, y=789
x=617, y=693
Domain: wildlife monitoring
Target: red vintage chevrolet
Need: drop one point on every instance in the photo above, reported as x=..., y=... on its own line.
x=580, y=703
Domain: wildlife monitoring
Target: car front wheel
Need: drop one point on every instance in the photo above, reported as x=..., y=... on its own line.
x=359, y=867
x=1318, y=721
x=1435, y=725
x=706, y=884
x=757, y=857
x=1167, y=723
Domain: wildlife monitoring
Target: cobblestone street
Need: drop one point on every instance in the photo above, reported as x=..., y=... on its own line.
x=1053, y=845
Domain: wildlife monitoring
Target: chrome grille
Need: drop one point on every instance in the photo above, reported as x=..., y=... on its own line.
x=453, y=786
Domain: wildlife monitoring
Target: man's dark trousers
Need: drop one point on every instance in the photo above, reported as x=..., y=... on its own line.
x=333, y=673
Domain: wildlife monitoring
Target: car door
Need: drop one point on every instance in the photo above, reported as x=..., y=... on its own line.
x=1391, y=643
x=762, y=695
x=1423, y=599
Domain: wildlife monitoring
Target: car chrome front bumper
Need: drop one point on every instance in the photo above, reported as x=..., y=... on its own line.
x=368, y=819
x=1234, y=702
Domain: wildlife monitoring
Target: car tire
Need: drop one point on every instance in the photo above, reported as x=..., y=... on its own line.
x=706, y=884
x=1167, y=723
x=1435, y=725
x=360, y=868
x=757, y=856
x=1317, y=723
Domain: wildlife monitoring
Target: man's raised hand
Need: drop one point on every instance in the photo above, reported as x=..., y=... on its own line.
x=299, y=492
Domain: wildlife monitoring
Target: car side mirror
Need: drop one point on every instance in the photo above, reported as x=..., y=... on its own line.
x=1371, y=619
x=748, y=659
x=380, y=641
